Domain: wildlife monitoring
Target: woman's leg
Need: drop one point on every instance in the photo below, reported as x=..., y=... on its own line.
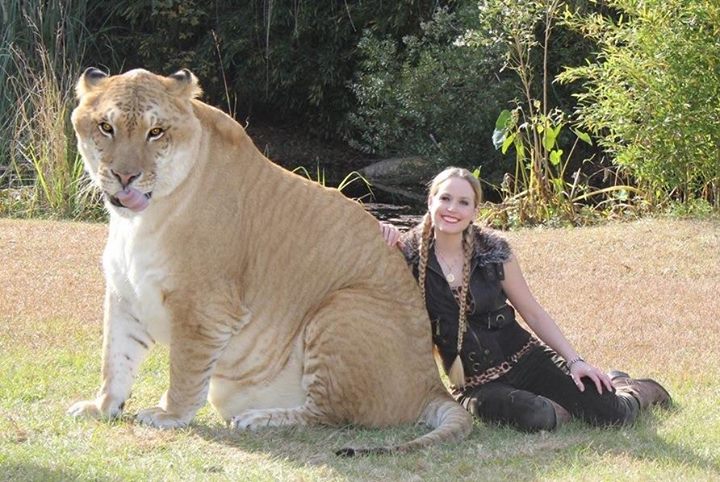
x=543, y=373
x=501, y=403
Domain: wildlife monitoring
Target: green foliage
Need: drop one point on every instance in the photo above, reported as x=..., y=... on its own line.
x=653, y=94
x=410, y=77
x=281, y=61
x=164, y=36
x=432, y=94
x=541, y=191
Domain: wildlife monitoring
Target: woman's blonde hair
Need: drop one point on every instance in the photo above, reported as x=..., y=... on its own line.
x=456, y=372
x=451, y=172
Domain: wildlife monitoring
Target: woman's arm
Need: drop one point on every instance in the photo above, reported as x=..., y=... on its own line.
x=545, y=328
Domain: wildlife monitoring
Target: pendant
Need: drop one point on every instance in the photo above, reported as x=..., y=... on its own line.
x=450, y=278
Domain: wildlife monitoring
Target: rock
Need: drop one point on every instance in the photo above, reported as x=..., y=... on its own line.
x=403, y=176
x=403, y=217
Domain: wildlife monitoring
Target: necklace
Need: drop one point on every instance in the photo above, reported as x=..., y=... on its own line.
x=450, y=268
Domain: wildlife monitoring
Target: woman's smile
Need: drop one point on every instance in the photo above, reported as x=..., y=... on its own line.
x=452, y=208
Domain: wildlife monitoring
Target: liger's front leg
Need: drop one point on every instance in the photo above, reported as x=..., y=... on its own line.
x=194, y=351
x=126, y=343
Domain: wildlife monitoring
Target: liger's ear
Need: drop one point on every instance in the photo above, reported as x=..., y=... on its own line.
x=184, y=84
x=91, y=78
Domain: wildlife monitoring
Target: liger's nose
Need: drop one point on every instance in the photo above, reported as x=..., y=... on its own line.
x=124, y=178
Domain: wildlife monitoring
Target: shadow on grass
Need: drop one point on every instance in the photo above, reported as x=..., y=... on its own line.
x=497, y=452
x=32, y=472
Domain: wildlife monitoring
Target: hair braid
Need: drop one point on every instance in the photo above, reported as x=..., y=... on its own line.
x=457, y=371
x=468, y=242
x=424, y=249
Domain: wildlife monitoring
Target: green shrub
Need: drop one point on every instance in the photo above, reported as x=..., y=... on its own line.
x=287, y=62
x=431, y=94
x=653, y=94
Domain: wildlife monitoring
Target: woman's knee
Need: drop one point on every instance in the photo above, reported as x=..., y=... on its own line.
x=536, y=414
x=618, y=409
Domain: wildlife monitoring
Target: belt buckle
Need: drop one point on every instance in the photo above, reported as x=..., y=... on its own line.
x=499, y=318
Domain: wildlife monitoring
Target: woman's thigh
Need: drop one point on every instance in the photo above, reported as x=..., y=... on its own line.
x=501, y=403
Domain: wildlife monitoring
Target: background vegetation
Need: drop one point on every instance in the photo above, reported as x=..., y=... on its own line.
x=652, y=94
x=412, y=77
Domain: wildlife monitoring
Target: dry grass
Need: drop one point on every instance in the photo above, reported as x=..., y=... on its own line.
x=641, y=296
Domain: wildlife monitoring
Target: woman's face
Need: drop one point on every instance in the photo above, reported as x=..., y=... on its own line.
x=452, y=207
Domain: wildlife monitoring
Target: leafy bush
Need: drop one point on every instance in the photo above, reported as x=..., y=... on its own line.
x=283, y=61
x=653, y=95
x=431, y=94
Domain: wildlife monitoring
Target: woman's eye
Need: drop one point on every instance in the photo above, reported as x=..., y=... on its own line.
x=464, y=203
x=105, y=128
x=155, y=132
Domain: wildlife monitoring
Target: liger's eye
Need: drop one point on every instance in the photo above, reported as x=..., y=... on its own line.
x=155, y=132
x=105, y=128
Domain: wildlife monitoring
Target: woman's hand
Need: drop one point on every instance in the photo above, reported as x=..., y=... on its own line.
x=581, y=369
x=390, y=234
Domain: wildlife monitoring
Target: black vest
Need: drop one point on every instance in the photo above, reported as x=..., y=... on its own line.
x=493, y=335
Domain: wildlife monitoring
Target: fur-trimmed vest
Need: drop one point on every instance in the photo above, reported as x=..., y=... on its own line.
x=485, y=344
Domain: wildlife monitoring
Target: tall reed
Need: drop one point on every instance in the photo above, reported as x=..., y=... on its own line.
x=41, y=55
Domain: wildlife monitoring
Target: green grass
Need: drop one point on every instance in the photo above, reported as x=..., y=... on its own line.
x=50, y=358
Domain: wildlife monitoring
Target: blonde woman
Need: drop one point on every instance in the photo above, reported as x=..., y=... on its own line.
x=499, y=371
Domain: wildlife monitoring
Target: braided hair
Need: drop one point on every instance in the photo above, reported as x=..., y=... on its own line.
x=424, y=249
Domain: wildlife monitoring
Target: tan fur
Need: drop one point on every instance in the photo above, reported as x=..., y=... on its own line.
x=278, y=297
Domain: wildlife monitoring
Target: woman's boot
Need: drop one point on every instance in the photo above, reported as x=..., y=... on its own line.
x=646, y=391
x=562, y=416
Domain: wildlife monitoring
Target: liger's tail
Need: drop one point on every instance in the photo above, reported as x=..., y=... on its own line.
x=450, y=422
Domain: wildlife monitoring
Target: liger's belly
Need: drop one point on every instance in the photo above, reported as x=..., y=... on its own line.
x=262, y=387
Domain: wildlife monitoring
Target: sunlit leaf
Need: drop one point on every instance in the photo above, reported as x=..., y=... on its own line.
x=498, y=138
x=508, y=142
x=556, y=156
x=503, y=119
x=549, y=138
x=583, y=136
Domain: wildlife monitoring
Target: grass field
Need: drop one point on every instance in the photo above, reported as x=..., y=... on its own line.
x=641, y=296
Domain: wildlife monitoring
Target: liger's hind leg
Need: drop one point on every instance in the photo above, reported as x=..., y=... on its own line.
x=364, y=363
x=310, y=412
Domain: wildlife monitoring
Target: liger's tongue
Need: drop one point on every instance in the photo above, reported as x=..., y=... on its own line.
x=132, y=199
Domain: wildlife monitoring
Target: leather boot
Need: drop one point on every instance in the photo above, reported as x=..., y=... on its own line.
x=646, y=391
x=562, y=416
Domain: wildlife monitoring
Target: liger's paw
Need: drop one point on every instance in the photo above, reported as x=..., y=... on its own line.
x=100, y=408
x=157, y=417
x=256, y=419
x=85, y=409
